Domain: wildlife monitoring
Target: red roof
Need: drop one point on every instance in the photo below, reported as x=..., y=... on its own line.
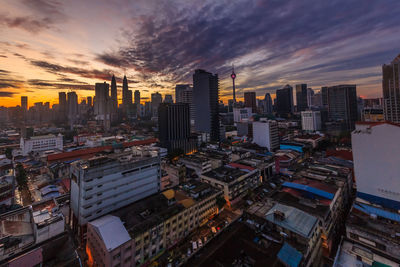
x=88, y=152
x=343, y=154
x=241, y=166
x=66, y=184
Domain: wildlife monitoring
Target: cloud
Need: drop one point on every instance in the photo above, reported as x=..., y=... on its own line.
x=6, y=94
x=48, y=84
x=269, y=41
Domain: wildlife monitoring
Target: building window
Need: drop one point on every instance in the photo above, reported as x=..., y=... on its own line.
x=117, y=256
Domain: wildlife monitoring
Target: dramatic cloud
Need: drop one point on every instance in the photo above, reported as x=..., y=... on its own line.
x=6, y=94
x=255, y=35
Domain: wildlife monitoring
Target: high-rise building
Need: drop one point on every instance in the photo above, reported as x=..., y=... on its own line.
x=174, y=127
x=24, y=103
x=179, y=88
x=324, y=92
x=311, y=120
x=137, y=97
x=268, y=109
x=265, y=134
x=342, y=105
x=301, y=97
x=310, y=94
x=376, y=150
x=89, y=101
x=114, y=99
x=72, y=101
x=168, y=99
x=391, y=90
x=62, y=106
x=206, y=103
x=250, y=101
x=156, y=100
x=284, y=101
x=102, y=99
x=125, y=93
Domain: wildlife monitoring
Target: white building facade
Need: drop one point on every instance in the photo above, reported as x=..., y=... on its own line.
x=311, y=120
x=104, y=184
x=41, y=143
x=242, y=114
x=265, y=134
x=376, y=152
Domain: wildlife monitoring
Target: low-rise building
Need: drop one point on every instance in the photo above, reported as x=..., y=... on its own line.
x=137, y=233
x=233, y=179
x=197, y=163
x=41, y=143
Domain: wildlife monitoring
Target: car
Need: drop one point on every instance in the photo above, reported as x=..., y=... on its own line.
x=189, y=252
x=194, y=245
x=200, y=243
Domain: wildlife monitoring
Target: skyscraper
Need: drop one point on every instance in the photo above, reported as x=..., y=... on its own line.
x=205, y=100
x=102, y=99
x=114, y=96
x=89, y=101
x=179, y=88
x=137, y=97
x=62, y=103
x=268, y=109
x=324, y=92
x=72, y=107
x=310, y=94
x=342, y=105
x=250, y=101
x=301, y=97
x=125, y=92
x=174, y=127
x=168, y=99
x=24, y=103
x=284, y=101
x=156, y=100
x=391, y=90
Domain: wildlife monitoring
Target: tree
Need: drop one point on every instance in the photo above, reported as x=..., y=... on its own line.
x=21, y=176
x=9, y=152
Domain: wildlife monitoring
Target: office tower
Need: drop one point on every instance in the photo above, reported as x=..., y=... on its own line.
x=168, y=99
x=147, y=108
x=310, y=94
x=391, y=90
x=268, y=109
x=179, y=88
x=324, y=92
x=301, y=97
x=62, y=106
x=89, y=101
x=342, y=105
x=205, y=100
x=265, y=134
x=311, y=120
x=114, y=98
x=101, y=106
x=376, y=150
x=72, y=101
x=233, y=76
x=250, y=101
x=103, y=184
x=137, y=97
x=156, y=100
x=125, y=93
x=24, y=103
x=284, y=101
x=316, y=100
x=174, y=127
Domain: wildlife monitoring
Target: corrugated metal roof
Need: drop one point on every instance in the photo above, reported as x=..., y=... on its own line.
x=289, y=255
x=310, y=189
x=295, y=220
x=111, y=230
x=377, y=211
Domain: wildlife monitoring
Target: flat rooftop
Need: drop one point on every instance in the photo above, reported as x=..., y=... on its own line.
x=226, y=173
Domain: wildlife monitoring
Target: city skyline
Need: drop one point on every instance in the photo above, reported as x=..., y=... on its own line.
x=47, y=46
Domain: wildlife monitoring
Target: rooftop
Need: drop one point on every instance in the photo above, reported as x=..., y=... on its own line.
x=294, y=219
x=111, y=230
x=227, y=173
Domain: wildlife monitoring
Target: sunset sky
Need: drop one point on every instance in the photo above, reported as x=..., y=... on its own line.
x=47, y=46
